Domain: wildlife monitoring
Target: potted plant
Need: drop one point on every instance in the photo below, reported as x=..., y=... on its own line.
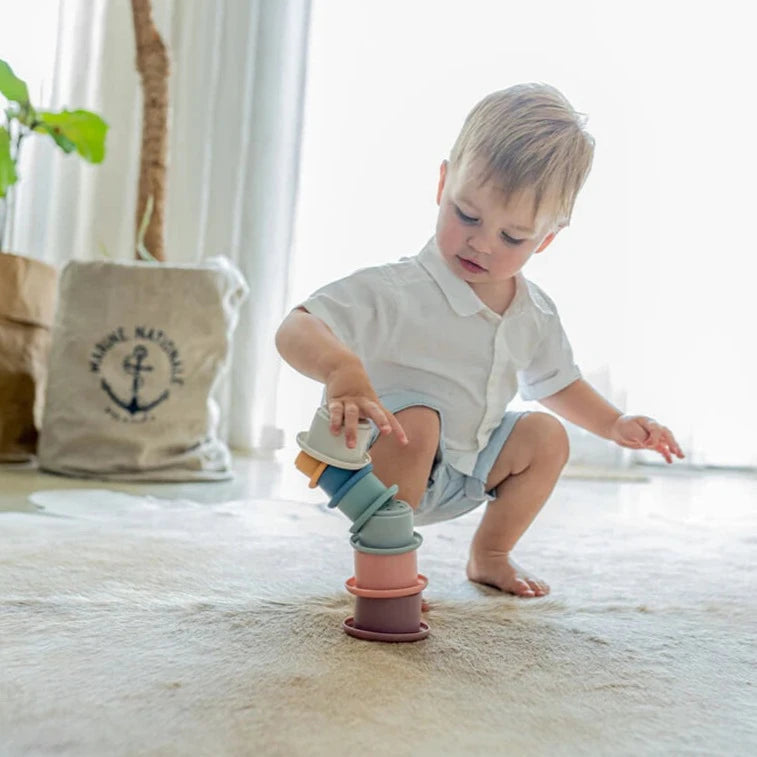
x=28, y=286
x=139, y=346
x=72, y=130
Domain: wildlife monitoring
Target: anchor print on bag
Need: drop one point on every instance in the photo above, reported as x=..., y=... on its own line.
x=133, y=365
x=137, y=367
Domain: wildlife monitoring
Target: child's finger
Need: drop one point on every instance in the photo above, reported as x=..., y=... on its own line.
x=388, y=423
x=654, y=434
x=665, y=452
x=336, y=414
x=351, y=416
x=379, y=416
x=673, y=444
x=397, y=428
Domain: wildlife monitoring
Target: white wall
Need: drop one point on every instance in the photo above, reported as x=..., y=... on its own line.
x=28, y=33
x=652, y=278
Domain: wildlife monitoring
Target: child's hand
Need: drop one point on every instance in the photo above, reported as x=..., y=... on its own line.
x=351, y=397
x=640, y=432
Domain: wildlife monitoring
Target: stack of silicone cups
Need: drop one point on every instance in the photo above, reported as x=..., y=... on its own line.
x=386, y=585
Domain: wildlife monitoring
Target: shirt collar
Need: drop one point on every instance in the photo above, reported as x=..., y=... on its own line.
x=463, y=300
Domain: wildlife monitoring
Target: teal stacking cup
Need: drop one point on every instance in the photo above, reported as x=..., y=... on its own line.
x=389, y=527
x=364, y=498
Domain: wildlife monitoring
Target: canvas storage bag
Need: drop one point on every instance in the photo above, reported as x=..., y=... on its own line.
x=137, y=352
x=27, y=303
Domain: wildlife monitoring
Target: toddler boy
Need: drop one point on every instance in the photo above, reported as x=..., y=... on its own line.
x=433, y=348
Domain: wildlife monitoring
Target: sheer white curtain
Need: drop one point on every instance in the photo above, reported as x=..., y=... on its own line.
x=236, y=93
x=654, y=277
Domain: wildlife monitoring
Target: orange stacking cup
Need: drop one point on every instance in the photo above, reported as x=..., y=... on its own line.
x=311, y=467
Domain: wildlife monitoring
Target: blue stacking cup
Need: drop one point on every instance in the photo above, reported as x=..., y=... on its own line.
x=332, y=478
x=337, y=484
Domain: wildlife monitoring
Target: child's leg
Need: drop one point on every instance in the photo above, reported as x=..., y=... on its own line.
x=524, y=475
x=409, y=466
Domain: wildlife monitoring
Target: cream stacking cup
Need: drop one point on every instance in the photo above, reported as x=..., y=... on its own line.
x=332, y=449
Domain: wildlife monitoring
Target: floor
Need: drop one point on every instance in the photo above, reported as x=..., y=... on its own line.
x=645, y=646
x=687, y=492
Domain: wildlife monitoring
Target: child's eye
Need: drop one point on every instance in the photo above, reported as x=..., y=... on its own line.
x=469, y=219
x=463, y=217
x=511, y=240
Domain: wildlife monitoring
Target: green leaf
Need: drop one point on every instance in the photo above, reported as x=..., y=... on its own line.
x=7, y=166
x=76, y=129
x=60, y=138
x=11, y=86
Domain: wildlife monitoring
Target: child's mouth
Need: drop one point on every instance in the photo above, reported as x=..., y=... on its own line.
x=469, y=265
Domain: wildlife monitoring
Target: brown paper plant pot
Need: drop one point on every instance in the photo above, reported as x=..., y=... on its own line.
x=28, y=290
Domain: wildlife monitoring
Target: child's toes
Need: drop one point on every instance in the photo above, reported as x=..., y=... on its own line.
x=521, y=588
x=538, y=587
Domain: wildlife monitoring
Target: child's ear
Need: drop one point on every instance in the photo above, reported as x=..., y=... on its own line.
x=442, y=179
x=546, y=241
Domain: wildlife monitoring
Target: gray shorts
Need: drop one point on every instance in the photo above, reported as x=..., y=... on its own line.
x=450, y=493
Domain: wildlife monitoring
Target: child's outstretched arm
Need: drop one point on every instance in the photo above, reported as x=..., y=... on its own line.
x=581, y=404
x=311, y=348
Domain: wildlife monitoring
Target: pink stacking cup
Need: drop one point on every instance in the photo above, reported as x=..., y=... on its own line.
x=375, y=571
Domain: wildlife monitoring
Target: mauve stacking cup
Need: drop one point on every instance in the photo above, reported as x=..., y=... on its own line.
x=395, y=615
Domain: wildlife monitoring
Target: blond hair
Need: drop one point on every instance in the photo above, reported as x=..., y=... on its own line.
x=528, y=137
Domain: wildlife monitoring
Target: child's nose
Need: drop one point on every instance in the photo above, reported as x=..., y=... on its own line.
x=479, y=244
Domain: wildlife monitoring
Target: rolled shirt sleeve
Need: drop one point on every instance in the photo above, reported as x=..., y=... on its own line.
x=552, y=368
x=356, y=308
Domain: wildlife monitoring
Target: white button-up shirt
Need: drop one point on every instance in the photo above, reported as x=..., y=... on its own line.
x=417, y=327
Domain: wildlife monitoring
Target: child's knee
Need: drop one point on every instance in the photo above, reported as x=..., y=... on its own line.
x=553, y=443
x=423, y=429
x=408, y=466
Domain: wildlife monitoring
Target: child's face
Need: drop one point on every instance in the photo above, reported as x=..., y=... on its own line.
x=484, y=236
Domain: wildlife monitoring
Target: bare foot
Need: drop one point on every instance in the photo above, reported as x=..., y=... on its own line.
x=498, y=569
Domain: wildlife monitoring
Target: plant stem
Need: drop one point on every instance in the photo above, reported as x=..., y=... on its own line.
x=10, y=197
x=4, y=200
x=7, y=203
x=154, y=70
x=10, y=212
x=19, y=139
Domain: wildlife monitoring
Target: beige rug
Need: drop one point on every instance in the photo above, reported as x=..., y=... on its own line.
x=139, y=626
